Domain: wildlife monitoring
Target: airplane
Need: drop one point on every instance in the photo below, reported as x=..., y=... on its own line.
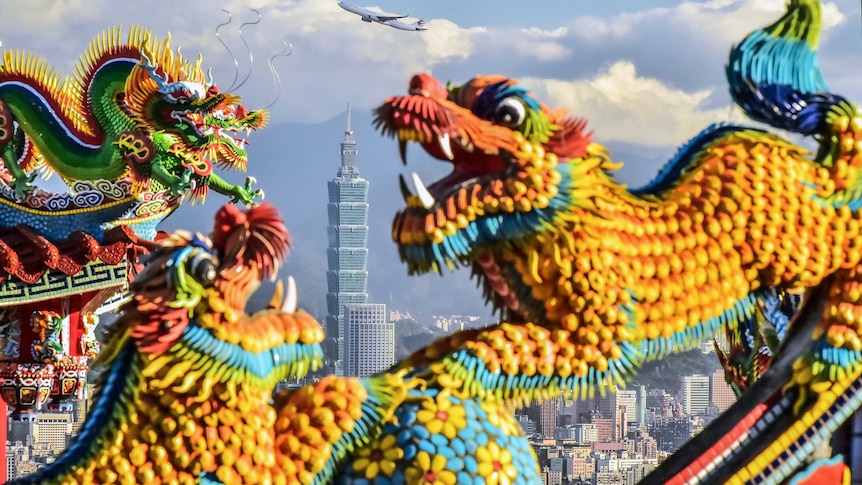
x=418, y=25
x=390, y=20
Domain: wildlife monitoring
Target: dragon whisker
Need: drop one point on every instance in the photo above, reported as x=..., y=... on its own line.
x=276, y=79
x=248, y=49
x=235, y=61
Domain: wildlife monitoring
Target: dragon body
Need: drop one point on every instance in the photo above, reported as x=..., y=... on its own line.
x=135, y=122
x=186, y=380
x=593, y=279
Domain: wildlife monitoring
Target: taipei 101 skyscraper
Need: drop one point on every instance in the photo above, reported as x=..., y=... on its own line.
x=347, y=253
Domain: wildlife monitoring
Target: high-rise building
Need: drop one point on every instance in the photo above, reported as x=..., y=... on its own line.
x=53, y=429
x=347, y=254
x=641, y=405
x=619, y=406
x=548, y=417
x=721, y=395
x=695, y=394
x=626, y=406
x=369, y=340
x=604, y=428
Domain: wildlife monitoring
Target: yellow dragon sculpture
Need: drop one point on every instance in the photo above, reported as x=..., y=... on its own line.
x=593, y=278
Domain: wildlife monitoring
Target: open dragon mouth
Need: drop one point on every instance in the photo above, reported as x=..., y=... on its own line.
x=218, y=126
x=506, y=180
x=473, y=158
x=220, y=135
x=470, y=167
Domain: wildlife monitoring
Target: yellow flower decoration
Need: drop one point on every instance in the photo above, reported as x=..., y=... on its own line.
x=501, y=420
x=440, y=416
x=377, y=458
x=495, y=464
x=428, y=471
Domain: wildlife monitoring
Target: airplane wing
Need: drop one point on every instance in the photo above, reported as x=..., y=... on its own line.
x=383, y=18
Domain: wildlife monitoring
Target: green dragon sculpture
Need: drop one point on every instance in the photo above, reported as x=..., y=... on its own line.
x=594, y=278
x=135, y=121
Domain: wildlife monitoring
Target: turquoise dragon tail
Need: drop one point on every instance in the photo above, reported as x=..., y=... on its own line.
x=774, y=77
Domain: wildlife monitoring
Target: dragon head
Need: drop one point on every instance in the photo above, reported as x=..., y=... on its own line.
x=181, y=107
x=190, y=300
x=507, y=181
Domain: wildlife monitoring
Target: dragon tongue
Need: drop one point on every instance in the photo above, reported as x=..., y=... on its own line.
x=424, y=196
x=445, y=145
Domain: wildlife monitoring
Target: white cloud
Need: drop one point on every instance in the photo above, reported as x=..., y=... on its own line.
x=337, y=57
x=546, y=34
x=831, y=14
x=543, y=51
x=727, y=20
x=621, y=106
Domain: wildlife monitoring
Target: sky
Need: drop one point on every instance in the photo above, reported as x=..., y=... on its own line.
x=624, y=64
x=647, y=74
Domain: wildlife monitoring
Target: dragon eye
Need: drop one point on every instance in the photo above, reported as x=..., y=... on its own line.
x=510, y=112
x=203, y=268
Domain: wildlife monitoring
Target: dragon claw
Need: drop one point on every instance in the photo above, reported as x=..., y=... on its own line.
x=182, y=184
x=179, y=188
x=23, y=185
x=245, y=194
x=249, y=181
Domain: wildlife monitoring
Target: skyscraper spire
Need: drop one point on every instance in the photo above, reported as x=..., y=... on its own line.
x=348, y=146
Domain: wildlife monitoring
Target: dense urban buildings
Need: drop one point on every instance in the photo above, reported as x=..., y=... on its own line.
x=36, y=439
x=347, y=254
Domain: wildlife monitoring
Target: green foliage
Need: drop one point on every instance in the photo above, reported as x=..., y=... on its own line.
x=411, y=335
x=666, y=372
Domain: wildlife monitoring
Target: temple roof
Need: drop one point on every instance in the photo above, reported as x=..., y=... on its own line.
x=26, y=255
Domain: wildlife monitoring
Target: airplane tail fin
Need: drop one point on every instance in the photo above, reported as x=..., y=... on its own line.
x=420, y=24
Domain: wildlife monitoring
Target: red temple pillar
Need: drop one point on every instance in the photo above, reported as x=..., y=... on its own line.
x=4, y=473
